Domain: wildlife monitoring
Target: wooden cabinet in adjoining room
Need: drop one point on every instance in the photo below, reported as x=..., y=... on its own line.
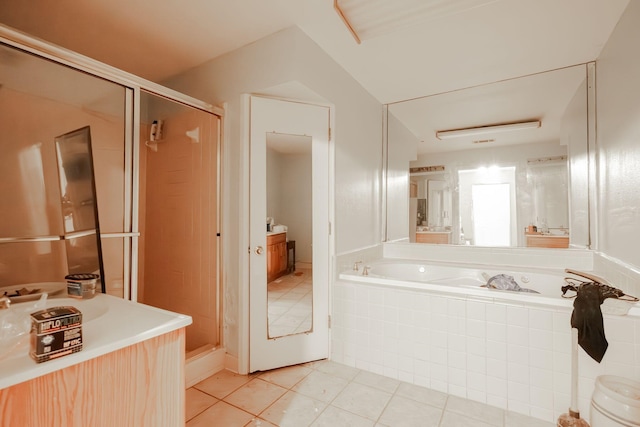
x=441, y=238
x=276, y=255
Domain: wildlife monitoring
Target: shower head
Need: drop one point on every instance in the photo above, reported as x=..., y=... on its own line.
x=194, y=134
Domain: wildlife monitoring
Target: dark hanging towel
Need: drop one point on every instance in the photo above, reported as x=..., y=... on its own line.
x=587, y=319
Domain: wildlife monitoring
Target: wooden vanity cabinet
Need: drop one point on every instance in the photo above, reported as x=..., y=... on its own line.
x=139, y=385
x=443, y=238
x=276, y=256
x=536, y=240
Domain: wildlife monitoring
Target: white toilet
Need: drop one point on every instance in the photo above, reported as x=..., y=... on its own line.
x=615, y=402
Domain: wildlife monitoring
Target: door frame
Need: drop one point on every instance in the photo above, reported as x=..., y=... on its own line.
x=241, y=363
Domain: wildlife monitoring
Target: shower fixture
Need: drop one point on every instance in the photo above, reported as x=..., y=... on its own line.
x=194, y=134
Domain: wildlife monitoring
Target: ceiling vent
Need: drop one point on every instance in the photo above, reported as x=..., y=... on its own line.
x=367, y=19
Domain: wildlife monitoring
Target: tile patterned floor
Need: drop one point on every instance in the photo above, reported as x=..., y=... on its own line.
x=289, y=301
x=328, y=394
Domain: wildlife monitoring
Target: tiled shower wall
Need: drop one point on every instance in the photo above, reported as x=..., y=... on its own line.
x=178, y=254
x=507, y=355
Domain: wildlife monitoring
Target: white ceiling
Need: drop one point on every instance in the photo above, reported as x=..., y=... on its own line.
x=464, y=48
x=289, y=144
x=541, y=96
x=501, y=39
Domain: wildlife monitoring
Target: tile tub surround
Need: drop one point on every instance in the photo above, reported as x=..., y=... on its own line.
x=508, y=356
x=326, y=393
x=499, y=360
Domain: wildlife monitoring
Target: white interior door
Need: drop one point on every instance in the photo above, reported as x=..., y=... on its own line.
x=270, y=345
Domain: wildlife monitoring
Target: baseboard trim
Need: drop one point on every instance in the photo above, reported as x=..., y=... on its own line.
x=203, y=364
x=231, y=364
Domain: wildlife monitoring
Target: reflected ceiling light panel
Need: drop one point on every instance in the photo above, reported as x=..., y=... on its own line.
x=366, y=19
x=482, y=130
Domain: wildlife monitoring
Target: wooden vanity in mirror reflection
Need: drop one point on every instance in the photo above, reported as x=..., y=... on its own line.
x=539, y=240
x=276, y=255
x=437, y=237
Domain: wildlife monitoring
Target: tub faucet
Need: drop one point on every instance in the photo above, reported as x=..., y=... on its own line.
x=356, y=264
x=365, y=270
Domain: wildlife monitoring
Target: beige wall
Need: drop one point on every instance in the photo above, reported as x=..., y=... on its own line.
x=618, y=140
x=289, y=198
x=285, y=57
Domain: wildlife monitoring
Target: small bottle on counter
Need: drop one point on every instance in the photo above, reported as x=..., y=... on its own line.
x=82, y=285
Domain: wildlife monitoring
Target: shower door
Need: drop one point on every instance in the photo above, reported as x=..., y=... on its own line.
x=42, y=236
x=178, y=215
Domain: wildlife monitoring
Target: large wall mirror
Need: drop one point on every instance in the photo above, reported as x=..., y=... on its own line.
x=486, y=184
x=78, y=203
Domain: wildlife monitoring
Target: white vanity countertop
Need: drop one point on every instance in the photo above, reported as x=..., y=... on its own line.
x=273, y=233
x=108, y=324
x=433, y=232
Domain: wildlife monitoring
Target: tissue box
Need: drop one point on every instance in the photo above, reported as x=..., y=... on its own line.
x=55, y=332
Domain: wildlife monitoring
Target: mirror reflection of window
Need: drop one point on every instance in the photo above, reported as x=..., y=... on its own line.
x=491, y=214
x=487, y=206
x=289, y=234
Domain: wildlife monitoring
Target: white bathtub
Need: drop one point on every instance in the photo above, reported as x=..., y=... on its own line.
x=465, y=280
x=432, y=324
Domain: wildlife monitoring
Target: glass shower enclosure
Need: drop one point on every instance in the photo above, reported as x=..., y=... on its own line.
x=178, y=215
x=155, y=155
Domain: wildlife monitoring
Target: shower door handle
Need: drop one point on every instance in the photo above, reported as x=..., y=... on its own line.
x=259, y=250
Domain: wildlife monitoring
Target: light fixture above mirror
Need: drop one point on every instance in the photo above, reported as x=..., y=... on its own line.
x=488, y=129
